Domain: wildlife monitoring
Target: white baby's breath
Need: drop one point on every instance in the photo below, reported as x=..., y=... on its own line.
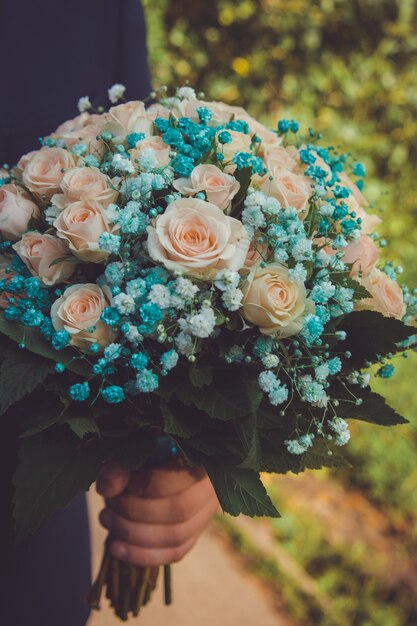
x=84, y=104
x=116, y=92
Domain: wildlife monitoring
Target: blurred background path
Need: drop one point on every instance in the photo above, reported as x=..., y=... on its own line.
x=209, y=587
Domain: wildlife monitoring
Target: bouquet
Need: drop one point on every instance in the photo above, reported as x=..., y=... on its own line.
x=180, y=269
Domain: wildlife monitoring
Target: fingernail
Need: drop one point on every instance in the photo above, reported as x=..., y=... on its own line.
x=119, y=551
x=106, y=519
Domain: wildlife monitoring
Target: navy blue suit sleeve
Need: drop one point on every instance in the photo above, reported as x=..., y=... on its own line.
x=52, y=53
x=55, y=52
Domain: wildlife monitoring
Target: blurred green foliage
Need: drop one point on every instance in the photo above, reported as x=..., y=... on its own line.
x=348, y=68
x=385, y=459
x=347, y=593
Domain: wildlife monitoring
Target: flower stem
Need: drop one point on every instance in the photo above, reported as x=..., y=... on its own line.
x=123, y=601
x=114, y=581
x=127, y=587
x=167, y=584
x=141, y=589
x=151, y=585
x=134, y=577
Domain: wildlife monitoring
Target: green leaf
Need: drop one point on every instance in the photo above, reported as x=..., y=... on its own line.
x=68, y=258
x=369, y=333
x=168, y=385
x=345, y=280
x=210, y=442
x=358, y=290
x=277, y=459
x=192, y=456
x=247, y=431
x=33, y=223
x=34, y=342
x=48, y=410
x=200, y=374
x=132, y=450
x=244, y=177
x=373, y=409
x=270, y=419
x=20, y=374
x=322, y=454
x=178, y=421
x=240, y=491
x=51, y=472
x=83, y=426
x=230, y=397
x=6, y=346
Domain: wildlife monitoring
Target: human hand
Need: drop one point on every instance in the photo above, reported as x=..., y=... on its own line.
x=155, y=516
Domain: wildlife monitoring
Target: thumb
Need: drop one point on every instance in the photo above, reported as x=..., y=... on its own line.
x=112, y=480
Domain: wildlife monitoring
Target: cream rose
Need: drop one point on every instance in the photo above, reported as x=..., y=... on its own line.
x=222, y=112
x=268, y=138
x=24, y=161
x=220, y=188
x=85, y=183
x=45, y=170
x=257, y=252
x=129, y=117
x=86, y=134
x=160, y=149
x=369, y=221
x=387, y=297
x=158, y=110
x=356, y=193
x=362, y=255
x=16, y=211
x=76, y=123
x=240, y=143
x=292, y=190
x=40, y=253
x=276, y=157
x=196, y=237
x=273, y=302
x=78, y=312
x=128, y=113
x=81, y=225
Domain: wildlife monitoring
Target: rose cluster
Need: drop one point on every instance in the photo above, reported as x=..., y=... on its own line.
x=146, y=236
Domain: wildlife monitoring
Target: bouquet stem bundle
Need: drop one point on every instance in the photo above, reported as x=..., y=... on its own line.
x=128, y=587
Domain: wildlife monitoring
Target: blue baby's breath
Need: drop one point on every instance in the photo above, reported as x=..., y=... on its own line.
x=79, y=392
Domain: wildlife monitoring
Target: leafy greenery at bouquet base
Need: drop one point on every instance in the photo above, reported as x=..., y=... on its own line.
x=219, y=420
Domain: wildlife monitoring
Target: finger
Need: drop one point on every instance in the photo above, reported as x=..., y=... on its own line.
x=112, y=480
x=166, y=480
x=157, y=535
x=169, y=510
x=150, y=557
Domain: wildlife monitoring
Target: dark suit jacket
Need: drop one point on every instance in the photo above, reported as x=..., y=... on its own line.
x=52, y=52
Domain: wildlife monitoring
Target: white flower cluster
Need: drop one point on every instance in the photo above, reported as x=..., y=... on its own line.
x=122, y=164
x=199, y=324
x=116, y=92
x=227, y=281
